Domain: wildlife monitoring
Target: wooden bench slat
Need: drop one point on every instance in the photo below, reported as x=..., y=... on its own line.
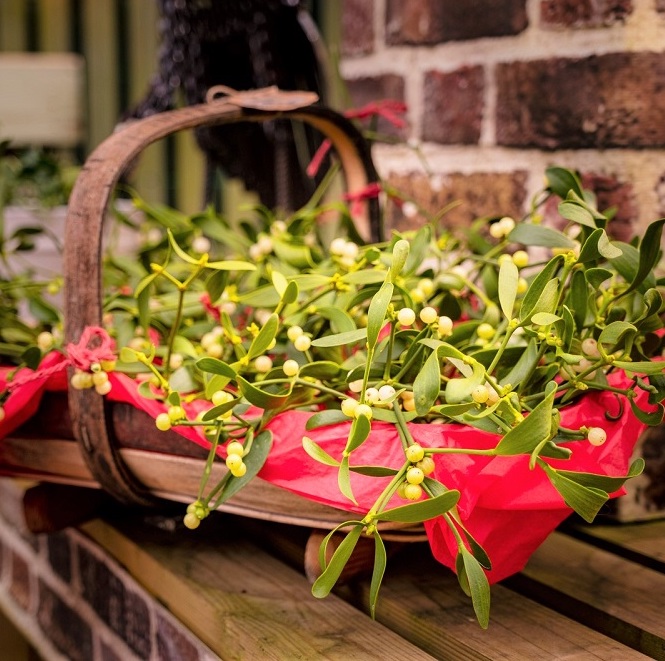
x=611, y=594
x=422, y=601
x=646, y=539
x=242, y=602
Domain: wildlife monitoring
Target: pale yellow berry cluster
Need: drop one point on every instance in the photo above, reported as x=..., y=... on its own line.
x=428, y=315
x=97, y=377
x=234, y=459
x=174, y=414
x=345, y=251
x=196, y=511
x=301, y=340
x=421, y=466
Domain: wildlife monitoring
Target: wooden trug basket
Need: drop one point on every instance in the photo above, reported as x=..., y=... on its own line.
x=81, y=439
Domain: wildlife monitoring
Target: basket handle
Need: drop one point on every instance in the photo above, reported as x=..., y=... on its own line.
x=83, y=235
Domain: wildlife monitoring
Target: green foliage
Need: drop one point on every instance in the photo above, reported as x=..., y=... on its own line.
x=430, y=326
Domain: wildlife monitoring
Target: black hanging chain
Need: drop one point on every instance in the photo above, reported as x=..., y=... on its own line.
x=244, y=44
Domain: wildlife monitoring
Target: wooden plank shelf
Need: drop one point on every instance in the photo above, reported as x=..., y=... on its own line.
x=240, y=586
x=600, y=580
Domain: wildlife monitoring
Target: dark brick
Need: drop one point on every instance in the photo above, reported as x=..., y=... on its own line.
x=453, y=106
x=612, y=193
x=60, y=555
x=584, y=13
x=480, y=194
x=124, y=611
x=19, y=587
x=357, y=27
x=365, y=90
x=614, y=100
x=172, y=644
x=64, y=626
x=429, y=22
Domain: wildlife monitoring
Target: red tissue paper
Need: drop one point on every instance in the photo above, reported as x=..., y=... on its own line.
x=508, y=508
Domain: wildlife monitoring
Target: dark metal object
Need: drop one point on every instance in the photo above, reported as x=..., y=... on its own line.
x=243, y=44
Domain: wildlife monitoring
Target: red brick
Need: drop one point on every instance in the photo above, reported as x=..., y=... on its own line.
x=172, y=644
x=614, y=100
x=453, y=106
x=375, y=88
x=584, y=13
x=124, y=611
x=612, y=193
x=429, y=22
x=480, y=194
x=59, y=555
x=19, y=587
x=64, y=626
x=357, y=27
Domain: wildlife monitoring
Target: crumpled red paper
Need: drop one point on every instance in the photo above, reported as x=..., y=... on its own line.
x=508, y=508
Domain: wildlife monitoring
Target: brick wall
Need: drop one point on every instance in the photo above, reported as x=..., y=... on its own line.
x=497, y=90
x=73, y=602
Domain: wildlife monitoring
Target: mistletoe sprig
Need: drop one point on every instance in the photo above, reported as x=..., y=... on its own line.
x=498, y=328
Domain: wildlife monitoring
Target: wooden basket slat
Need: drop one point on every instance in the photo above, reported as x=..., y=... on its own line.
x=83, y=238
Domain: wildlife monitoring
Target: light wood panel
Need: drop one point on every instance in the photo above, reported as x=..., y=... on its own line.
x=41, y=98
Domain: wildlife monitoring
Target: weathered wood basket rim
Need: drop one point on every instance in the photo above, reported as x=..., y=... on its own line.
x=83, y=237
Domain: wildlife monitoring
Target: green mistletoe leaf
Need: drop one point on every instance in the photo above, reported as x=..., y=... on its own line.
x=376, y=314
x=629, y=266
x=578, y=214
x=230, y=265
x=616, y=333
x=340, y=339
x=215, y=366
x=598, y=245
x=400, y=255
x=258, y=397
x=562, y=180
x=216, y=284
x=605, y=482
x=427, y=384
x=547, y=301
x=320, y=369
x=422, y=510
x=254, y=460
x=544, y=318
x=340, y=320
x=325, y=418
x=317, y=453
x=380, y=561
x=344, y=480
x=586, y=501
x=540, y=235
x=325, y=583
x=508, y=281
x=537, y=286
x=264, y=338
x=532, y=431
x=360, y=428
x=649, y=255
x=473, y=581
x=651, y=418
